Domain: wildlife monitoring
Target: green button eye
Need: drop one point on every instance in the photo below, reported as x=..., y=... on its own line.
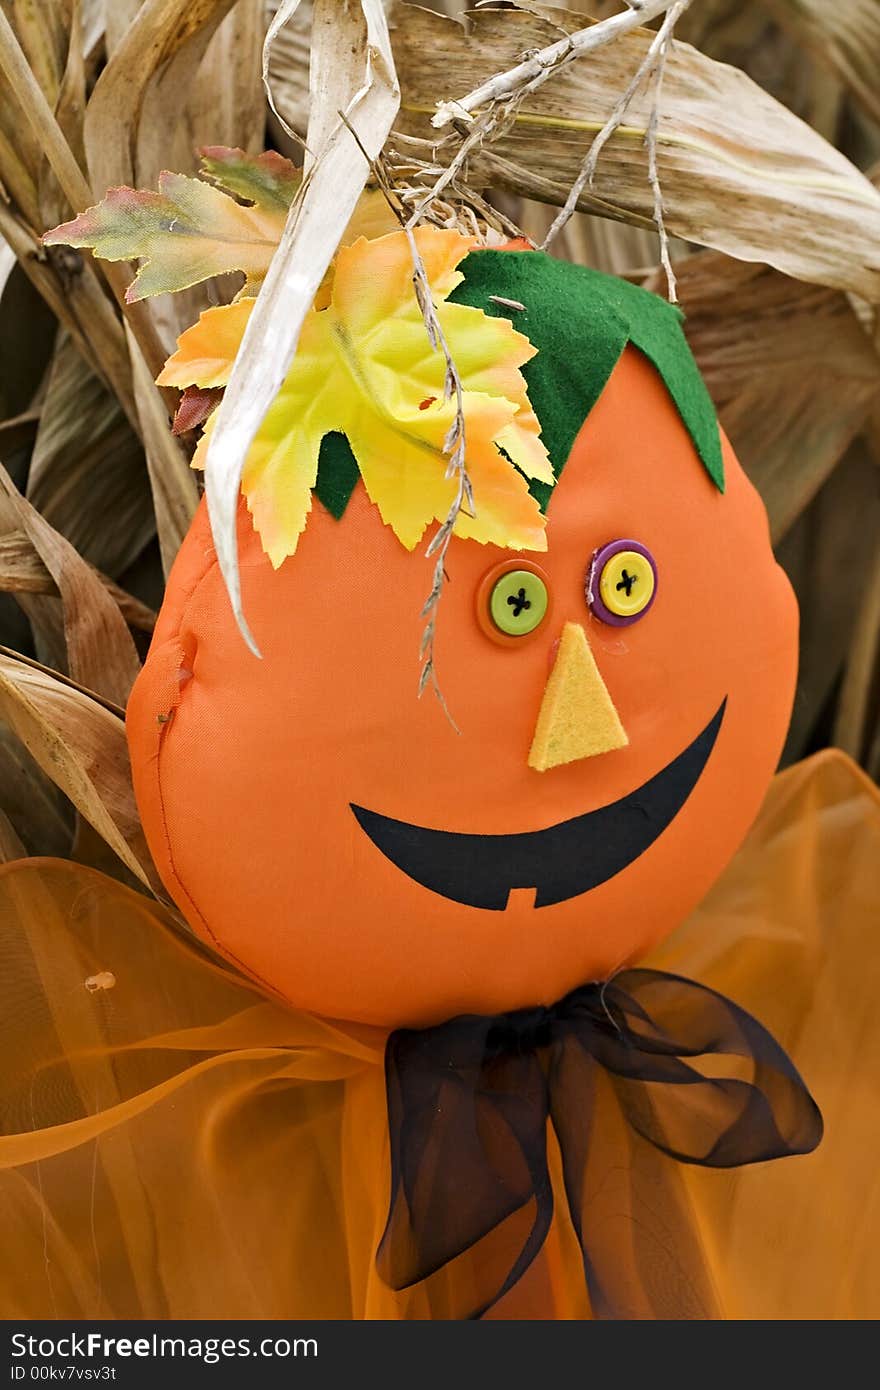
x=518, y=602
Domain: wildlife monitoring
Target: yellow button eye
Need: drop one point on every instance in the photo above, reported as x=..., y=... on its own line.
x=622, y=582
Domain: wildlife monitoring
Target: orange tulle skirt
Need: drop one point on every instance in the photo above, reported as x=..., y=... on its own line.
x=174, y=1145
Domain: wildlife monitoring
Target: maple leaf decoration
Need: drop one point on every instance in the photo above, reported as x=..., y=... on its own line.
x=364, y=367
x=228, y=219
x=191, y=229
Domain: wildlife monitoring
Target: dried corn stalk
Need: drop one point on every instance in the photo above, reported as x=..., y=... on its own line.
x=354, y=102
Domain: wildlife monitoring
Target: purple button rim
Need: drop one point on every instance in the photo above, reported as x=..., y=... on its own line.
x=591, y=588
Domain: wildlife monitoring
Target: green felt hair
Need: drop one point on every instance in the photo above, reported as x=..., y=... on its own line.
x=580, y=321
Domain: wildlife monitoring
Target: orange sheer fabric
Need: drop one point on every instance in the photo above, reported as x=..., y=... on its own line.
x=792, y=932
x=174, y=1145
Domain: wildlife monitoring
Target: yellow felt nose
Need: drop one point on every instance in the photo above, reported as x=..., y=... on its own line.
x=577, y=717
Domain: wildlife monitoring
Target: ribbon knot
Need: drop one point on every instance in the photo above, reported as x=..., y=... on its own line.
x=523, y=1032
x=622, y=1072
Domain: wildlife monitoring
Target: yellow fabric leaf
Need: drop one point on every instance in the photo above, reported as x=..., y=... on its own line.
x=364, y=366
x=206, y=351
x=404, y=471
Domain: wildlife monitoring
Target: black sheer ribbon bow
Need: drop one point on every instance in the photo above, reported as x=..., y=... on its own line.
x=621, y=1071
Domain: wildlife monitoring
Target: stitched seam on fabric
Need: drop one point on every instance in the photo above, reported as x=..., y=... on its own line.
x=223, y=950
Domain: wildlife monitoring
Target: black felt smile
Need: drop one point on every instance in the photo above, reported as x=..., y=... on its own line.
x=560, y=862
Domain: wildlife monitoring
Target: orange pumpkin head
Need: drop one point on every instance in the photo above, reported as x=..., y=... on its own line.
x=620, y=701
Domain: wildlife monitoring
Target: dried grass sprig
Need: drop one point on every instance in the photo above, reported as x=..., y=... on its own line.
x=504, y=93
x=454, y=448
x=454, y=442
x=535, y=70
x=651, y=70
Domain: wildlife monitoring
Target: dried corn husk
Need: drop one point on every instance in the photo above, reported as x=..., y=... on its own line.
x=80, y=744
x=845, y=35
x=790, y=368
x=738, y=172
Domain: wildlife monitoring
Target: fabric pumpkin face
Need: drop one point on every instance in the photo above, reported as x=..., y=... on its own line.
x=348, y=847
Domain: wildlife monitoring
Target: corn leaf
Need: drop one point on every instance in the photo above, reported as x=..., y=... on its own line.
x=355, y=98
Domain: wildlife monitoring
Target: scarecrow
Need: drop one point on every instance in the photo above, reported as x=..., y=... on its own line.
x=434, y=1047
